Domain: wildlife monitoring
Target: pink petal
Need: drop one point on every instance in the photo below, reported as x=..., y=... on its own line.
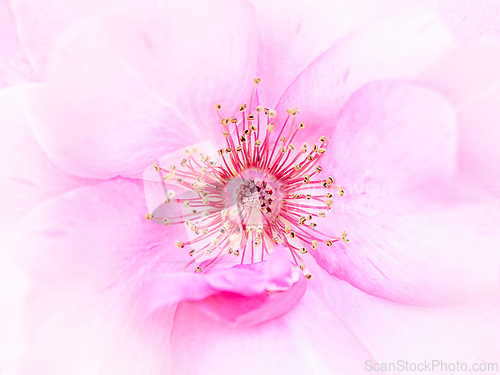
x=398, y=45
x=470, y=78
x=89, y=252
x=14, y=64
x=414, y=238
x=471, y=20
x=124, y=89
x=246, y=281
x=294, y=34
x=393, y=133
x=246, y=311
x=242, y=295
x=394, y=332
x=309, y=338
x=41, y=23
x=28, y=177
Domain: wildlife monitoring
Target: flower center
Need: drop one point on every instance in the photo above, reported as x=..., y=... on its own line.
x=256, y=192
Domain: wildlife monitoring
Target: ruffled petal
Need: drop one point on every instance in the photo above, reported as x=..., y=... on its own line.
x=124, y=90
x=398, y=45
x=308, y=339
x=15, y=66
x=41, y=23
x=89, y=252
x=414, y=236
x=470, y=78
x=241, y=295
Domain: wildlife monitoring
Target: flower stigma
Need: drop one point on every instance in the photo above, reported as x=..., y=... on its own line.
x=257, y=191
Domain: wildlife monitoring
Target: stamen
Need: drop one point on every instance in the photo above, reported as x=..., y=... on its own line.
x=258, y=195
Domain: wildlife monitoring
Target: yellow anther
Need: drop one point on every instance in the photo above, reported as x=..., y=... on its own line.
x=179, y=244
x=297, y=167
x=191, y=252
x=324, y=184
x=283, y=149
x=218, y=106
x=272, y=113
x=322, y=139
x=199, y=270
x=287, y=229
x=270, y=127
x=308, y=196
x=313, y=225
x=167, y=201
x=221, y=151
x=275, y=239
x=329, y=195
x=309, y=217
x=253, y=128
x=243, y=139
x=321, y=214
x=310, y=157
x=236, y=253
x=243, y=107
x=292, y=234
x=344, y=237
x=306, y=179
x=226, y=134
x=258, y=143
x=341, y=192
x=282, y=139
x=314, y=244
x=234, y=120
x=156, y=167
x=180, y=179
x=321, y=151
x=251, y=117
x=228, y=150
x=230, y=250
x=330, y=180
x=304, y=147
x=291, y=147
x=238, y=149
x=166, y=221
x=224, y=121
x=318, y=169
x=258, y=108
x=302, y=125
x=149, y=216
x=329, y=243
x=303, y=250
x=256, y=80
x=309, y=276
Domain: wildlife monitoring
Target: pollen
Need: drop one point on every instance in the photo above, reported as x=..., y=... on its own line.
x=258, y=190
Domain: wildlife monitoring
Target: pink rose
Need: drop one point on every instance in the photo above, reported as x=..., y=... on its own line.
x=410, y=125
